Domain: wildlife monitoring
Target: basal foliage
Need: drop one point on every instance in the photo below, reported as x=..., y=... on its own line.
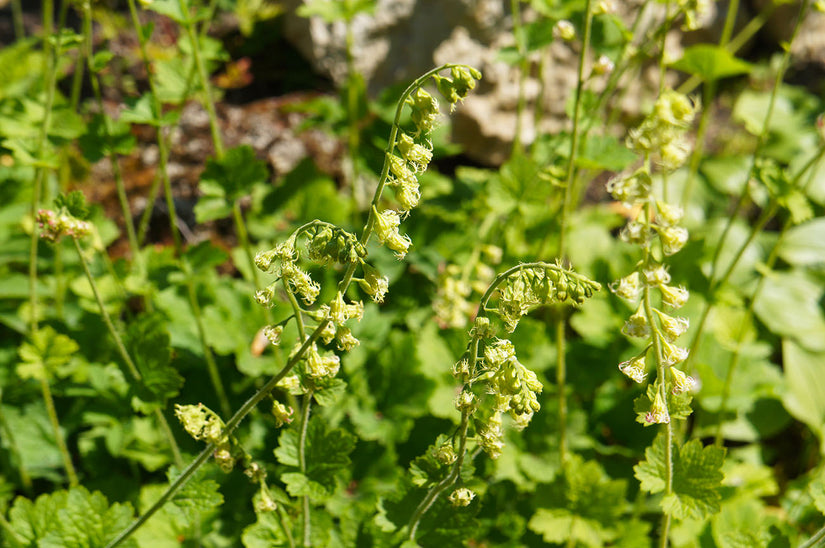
x=403, y=354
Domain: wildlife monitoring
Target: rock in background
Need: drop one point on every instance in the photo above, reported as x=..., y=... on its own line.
x=404, y=38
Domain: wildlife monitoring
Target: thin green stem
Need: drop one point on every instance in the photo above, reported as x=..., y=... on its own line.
x=203, y=76
x=302, y=462
x=818, y=539
x=440, y=487
x=120, y=187
x=560, y=319
x=714, y=282
x=518, y=32
x=17, y=20
x=58, y=435
x=51, y=82
x=574, y=137
x=231, y=425
x=124, y=354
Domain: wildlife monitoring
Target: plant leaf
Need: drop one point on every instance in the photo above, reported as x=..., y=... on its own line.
x=148, y=344
x=697, y=477
x=710, y=62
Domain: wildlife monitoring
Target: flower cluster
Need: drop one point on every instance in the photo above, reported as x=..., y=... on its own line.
x=54, y=226
x=664, y=132
x=528, y=288
x=697, y=13
x=656, y=229
x=411, y=153
x=203, y=424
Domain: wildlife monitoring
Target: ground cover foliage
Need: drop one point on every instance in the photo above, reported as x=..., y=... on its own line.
x=614, y=339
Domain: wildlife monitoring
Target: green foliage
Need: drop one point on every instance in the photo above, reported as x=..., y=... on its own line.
x=710, y=62
x=75, y=518
x=697, y=477
x=148, y=341
x=422, y=374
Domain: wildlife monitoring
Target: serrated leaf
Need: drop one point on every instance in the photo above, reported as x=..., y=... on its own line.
x=75, y=203
x=200, y=494
x=298, y=485
x=76, y=518
x=711, y=62
x=287, y=450
x=330, y=393
x=697, y=477
x=46, y=354
x=148, y=343
x=558, y=525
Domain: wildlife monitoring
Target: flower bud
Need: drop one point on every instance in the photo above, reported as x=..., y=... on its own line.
x=673, y=327
x=445, y=454
x=672, y=354
x=417, y=155
x=658, y=411
x=386, y=227
x=674, y=297
x=682, y=382
x=461, y=497
x=635, y=368
x=669, y=215
x=629, y=287
x=263, y=259
x=282, y=413
x=266, y=503
x=273, y=334
x=345, y=340
x=603, y=65
x=375, y=285
x=673, y=239
x=424, y=110
x=657, y=276
x=564, y=30
x=465, y=401
x=636, y=325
